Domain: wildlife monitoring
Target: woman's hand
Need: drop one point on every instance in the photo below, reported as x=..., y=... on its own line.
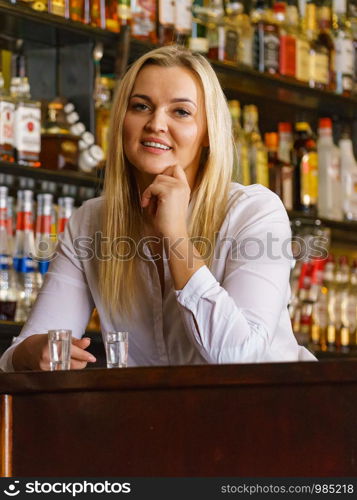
x=167, y=200
x=33, y=353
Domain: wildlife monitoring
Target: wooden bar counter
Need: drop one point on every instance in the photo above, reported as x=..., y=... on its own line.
x=284, y=419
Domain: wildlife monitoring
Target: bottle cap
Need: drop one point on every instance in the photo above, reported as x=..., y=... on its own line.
x=72, y=117
x=271, y=140
x=88, y=138
x=97, y=153
x=302, y=126
x=284, y=127
x=325, y=123
x=77, y=129
x=68, y=108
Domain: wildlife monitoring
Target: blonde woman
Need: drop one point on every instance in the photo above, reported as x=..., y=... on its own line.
x=195, y=267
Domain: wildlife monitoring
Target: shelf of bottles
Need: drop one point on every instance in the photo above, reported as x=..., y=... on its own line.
x=35, y=22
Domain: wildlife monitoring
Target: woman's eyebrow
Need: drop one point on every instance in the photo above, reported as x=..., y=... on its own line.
x=177, y=99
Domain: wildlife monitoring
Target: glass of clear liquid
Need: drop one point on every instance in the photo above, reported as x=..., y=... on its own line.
x=116, y=349
x=59, y=343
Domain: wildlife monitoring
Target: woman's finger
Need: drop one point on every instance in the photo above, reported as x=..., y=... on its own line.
x=78, y=365
x=79, y=354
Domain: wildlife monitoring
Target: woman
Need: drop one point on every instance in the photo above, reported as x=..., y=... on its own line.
x=194, y=267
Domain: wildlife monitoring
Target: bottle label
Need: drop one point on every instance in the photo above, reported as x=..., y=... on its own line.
x=318, y=68
x=183, y=15
x=28, y=129
x=124, y=10
x=350, y=195
x=246, y=51
x=302, y=60
x=271, y=51
x=7, y=115
x=58, y=7
x=321, y=313
x=231, y=45
x=287, y=187
x=262, y=168
x=143, y=17
x=166, y=11
x=344, y=56
x=287, y=55
x=309, y=178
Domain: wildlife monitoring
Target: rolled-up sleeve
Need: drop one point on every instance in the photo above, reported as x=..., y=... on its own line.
x=235, y=320
x=64, y=300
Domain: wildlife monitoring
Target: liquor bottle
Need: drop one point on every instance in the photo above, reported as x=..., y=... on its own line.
x=344, y=49
x=330, y=188
x=27, y=125
x=298, y=26
x=258, y=156
x=318, y=294
x=143, y=25
x=7, y=116
x=243, y=23
x=111, y=16
x=266, y=42
x=241, y=171
x=65, y=210
x=348, y=307
x=353, y=21
x=10, y=221
x=349, y=310
x=198, y=41
x=8, y=285
x=215, y=30
x=79, y=10
x=304, y=159
x=232, y=32
x=124, y=13
x=325, y=39
x=280, y=174
x=271, y=143
x=24, y=251
x=97, y=13
x=182, y=21
x=303, y=327
x=166, y=10
x=349, y=177
x=287, y=51
x=43, y=241
x=286, y=142
x=318, y=53
x=340, y=289
x=102, y=102
x=59, y=8
x=284, y=155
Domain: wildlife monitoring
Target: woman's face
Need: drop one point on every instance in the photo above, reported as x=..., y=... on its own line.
x=165, y=123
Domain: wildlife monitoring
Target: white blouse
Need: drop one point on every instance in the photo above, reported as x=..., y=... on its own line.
x=234, y=312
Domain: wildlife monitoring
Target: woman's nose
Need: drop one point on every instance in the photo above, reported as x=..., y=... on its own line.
x=157, y=122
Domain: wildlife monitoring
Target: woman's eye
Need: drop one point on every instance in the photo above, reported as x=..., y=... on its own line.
x=182, y=112
x=139, y=106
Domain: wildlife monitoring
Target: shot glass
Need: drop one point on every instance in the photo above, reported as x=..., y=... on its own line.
x=59, y=342
x=116, y=349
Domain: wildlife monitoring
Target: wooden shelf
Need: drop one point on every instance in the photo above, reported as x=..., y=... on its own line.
x=240, y=79
x=58, y=176
x=344, y=231
x=21, y=21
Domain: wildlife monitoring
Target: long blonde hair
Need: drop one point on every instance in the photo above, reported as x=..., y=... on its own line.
x=119, y=278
